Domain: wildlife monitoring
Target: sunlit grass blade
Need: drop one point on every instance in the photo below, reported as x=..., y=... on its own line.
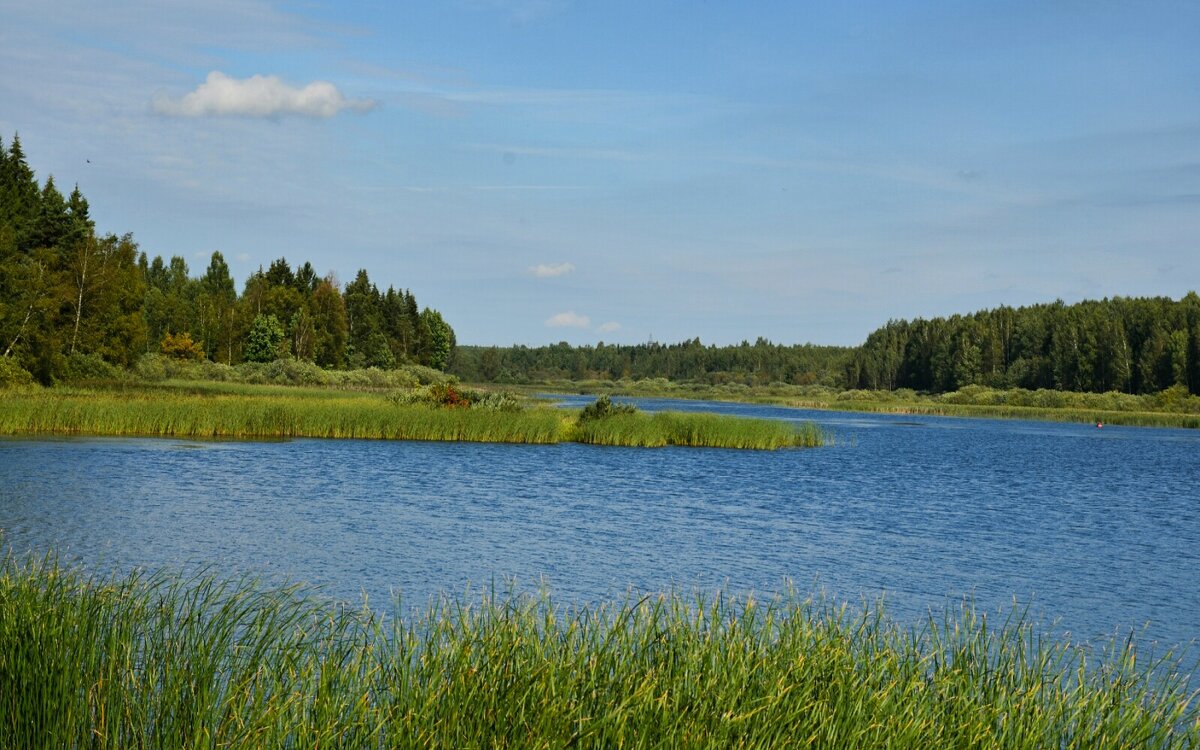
x=162, y=661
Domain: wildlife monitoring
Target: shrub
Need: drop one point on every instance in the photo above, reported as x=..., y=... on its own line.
x=81, y=366
x=445, y=394
x=373, y=377
x=181, y=346
x=604, y=407
x=295, y=372
x=502, y=401
x=449, y=395
x=427, y=375
x=12, y=375
x=152, y=367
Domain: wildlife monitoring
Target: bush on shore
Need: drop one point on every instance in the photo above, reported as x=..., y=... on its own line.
x=157, y=367
x=12, y=375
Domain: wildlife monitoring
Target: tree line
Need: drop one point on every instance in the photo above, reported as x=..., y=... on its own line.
x=1126, y=344
x=759, y=363
x=1133, y=345
x=67, y=292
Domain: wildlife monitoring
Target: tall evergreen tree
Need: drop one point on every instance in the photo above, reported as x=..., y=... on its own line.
x=330, y=325
x=217, y=304
x=22, y=197
x=54, y=223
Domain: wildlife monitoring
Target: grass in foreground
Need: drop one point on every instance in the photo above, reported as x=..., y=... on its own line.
x=207, y=410
x=163, y=662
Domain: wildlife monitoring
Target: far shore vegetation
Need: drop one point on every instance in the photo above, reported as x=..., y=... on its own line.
x=1174, y=407
x=160, y=660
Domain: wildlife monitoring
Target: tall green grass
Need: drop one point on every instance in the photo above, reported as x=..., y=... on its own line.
x=221, y=410
x=166, y=662
x=698, y=430
x=277, y=415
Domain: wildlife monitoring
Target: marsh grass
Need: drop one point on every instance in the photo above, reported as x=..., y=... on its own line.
x=695, y=430
x=228, y=410
x=161, y=661
x=279, y=414
x=1174, y=407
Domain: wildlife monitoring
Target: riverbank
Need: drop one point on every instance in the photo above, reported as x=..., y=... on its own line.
x=163, y=661
x=1171, y=408
x=224, y=410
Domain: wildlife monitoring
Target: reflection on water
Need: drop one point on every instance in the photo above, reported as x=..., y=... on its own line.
x=1097, y=528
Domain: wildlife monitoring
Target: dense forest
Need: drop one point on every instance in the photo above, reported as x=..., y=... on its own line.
x=752, y=364
x=1133, y=345
x=69, y=294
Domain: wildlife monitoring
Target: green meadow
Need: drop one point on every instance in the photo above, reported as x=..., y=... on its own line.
x=204, y=409
x=168, y=662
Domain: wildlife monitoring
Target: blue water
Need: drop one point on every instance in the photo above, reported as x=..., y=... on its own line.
x=1097, y=531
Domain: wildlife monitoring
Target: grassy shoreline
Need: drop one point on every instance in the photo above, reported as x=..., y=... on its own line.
x=160, y=661
x=1166, y=409
x=221, y=410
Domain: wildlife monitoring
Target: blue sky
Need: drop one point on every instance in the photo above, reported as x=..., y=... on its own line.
x=546, y=170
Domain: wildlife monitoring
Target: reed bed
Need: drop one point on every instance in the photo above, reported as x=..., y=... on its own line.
x=257, y=411
x=695, y=430
x=273, y=416
x=1007, y=411
x=168, y=662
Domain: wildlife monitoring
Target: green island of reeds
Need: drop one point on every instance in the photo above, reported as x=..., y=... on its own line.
x=205, y=409
x=165, y=661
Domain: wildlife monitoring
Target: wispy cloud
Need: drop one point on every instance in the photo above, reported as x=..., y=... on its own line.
x=568, y=319
x=544, y=271
x=259, y=96
x=608, y=327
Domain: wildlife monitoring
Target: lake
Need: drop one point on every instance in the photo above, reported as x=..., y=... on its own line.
x=1096, y=530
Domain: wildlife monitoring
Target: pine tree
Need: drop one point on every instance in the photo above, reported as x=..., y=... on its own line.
x=264, y=340
x=217, y=302
x=81, y=220
x=280, y=273
x=23, y=197
x=330, y=324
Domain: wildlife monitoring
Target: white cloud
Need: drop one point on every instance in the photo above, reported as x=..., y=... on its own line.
x=543, y=271
x=568, y=320
x=608, y=327
x=259, y=96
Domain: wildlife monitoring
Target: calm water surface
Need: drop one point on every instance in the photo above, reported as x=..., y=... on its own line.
x=1098, y=530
